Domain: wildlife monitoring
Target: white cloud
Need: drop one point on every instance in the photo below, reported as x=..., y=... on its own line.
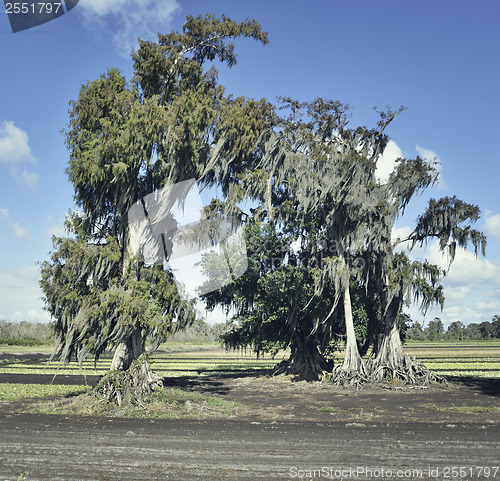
x=133, y=18
x=20, y=295
x=471, y=286
x=392, y=152
x=387, y=161
x=466, y=269
x=459, y=293
x=30, y=178
x=14, y=145
x=15, y=151
x=492, y=226
x=17, y=229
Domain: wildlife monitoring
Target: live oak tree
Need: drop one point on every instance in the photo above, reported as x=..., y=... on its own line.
x=128, y=140
x=273, y=305
x=447, y=220
x=316, y=173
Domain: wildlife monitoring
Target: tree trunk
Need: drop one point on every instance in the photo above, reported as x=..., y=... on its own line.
x=132, y=386
x=305, y=360
x=352, y=359
x=391, y=358
x=352, y=371
x=128, y=350
x=391, y=361
x=372, y=332
x=129, y=382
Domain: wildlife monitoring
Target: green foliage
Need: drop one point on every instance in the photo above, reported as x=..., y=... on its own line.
x=273, y=302
x=94, y=305
x=128, y=140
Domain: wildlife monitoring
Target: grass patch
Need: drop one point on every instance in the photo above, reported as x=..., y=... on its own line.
x=52, y=370
x=165, y=403
x=44, y=349
x=17, y=392
x=328, y=409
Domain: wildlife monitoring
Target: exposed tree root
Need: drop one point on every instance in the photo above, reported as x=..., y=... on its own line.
x=312, y=368
x=407, y=370
x=132, y=386
x=352, y=372
x=348, y=377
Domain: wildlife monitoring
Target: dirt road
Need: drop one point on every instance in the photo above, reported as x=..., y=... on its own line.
x=58, y=448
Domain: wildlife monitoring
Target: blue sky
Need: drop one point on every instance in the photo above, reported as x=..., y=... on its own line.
x=438, y=59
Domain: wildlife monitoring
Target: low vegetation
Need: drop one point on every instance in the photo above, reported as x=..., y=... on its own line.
x=480, y=359
x=25, y=333
x=164, y=403
x=17, y=392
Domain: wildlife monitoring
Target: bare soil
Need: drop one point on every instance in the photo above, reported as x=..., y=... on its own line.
x=281, y=429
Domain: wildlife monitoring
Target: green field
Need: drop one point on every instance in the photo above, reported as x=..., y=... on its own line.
x=452, y=360
x=477, y=359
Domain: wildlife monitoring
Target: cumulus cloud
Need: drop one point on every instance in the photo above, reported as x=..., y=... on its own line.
x=20, y=295
x=471, y=286
x=387, y=161
x=466, y=269
x=129, y=18
x=16, y=151
x=17, y=229
x=14, y=144
x=492, y=226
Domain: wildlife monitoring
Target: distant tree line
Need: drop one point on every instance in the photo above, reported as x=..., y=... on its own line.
x=200, y=332
x=25, y=333
x=457, y=330
x=36, y=333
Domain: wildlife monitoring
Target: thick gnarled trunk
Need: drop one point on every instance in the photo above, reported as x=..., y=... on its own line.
x=132, y=386
x=127, y=351
x=305, y=361
x=391, y=361
x=130, y=379
x=391, y=358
